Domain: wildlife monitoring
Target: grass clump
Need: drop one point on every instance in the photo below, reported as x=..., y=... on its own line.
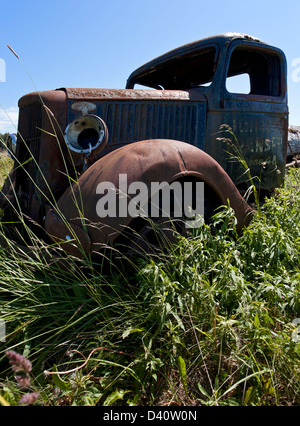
x=211, y=322
x=6, y=164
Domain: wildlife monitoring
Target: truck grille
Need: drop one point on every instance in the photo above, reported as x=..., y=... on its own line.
x=28, y=150
x=130, y=122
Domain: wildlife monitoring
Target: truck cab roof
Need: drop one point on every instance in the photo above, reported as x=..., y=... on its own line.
x=189, y=66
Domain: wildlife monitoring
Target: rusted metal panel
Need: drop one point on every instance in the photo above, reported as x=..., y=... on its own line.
x=127, y=94
x=261, y=139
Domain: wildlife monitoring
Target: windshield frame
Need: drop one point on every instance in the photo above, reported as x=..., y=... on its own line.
x=139, y=77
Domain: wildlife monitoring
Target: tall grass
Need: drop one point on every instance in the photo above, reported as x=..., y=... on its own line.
x=210, y=322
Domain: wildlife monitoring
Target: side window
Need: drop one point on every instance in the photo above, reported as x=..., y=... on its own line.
x=254, y=71
x=239, y=84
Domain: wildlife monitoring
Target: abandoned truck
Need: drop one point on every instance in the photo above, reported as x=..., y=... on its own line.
x=163, y=127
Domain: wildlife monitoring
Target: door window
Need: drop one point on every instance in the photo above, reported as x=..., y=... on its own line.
x=254, y=71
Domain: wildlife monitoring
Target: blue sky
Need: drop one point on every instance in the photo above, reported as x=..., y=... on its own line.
x=98, y=43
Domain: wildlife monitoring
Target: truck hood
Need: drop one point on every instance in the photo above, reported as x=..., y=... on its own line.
x=131, y=94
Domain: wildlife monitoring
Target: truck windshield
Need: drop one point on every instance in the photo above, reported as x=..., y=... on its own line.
x=194, y=69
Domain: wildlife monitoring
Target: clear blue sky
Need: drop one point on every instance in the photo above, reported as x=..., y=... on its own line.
x=97, y=43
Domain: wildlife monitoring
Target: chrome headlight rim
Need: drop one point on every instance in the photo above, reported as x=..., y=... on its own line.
x=75, y=128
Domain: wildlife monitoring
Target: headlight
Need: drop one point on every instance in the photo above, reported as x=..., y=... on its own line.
x=86, y=134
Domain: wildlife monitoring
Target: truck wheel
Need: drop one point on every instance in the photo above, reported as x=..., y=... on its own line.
x=151, y=235
x=154, y=235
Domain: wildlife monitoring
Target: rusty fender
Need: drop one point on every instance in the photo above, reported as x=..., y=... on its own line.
x=144, y=161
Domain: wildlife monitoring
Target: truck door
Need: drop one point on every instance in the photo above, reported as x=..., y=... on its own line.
x=253, y=103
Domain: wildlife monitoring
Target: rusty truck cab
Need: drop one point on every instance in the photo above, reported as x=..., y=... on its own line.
x=254, y=109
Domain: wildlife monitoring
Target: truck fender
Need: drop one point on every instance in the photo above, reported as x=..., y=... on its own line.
x=146, y=161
